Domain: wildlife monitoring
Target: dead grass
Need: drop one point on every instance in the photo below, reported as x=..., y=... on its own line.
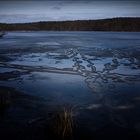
x=63, y=124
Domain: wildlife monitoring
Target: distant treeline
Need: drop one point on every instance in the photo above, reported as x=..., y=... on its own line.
x=114, y=24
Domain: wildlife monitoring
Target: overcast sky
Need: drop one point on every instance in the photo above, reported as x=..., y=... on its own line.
x=53, y=10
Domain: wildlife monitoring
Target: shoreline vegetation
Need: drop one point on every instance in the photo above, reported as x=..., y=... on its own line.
x=127, y=24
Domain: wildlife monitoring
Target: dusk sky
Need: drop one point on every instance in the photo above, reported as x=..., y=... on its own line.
x=51, y=10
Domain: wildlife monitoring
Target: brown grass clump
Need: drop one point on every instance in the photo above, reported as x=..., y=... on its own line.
x=63, y=124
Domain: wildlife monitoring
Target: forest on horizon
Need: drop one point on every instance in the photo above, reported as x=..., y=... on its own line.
x=114, y=24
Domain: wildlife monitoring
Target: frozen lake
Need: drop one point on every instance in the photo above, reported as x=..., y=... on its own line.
x=98, y=72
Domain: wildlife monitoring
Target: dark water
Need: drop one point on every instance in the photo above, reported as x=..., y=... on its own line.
x=97, y=73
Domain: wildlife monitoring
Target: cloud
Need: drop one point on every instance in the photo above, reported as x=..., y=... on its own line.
x=56, y=8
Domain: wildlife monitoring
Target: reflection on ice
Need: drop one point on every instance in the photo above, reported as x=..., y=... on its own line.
x=43, y=59
x=122, y=107
x=94, y=106
x=48, y=43
x=101, y=73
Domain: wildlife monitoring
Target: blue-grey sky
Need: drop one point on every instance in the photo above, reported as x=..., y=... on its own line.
x=55, y=10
